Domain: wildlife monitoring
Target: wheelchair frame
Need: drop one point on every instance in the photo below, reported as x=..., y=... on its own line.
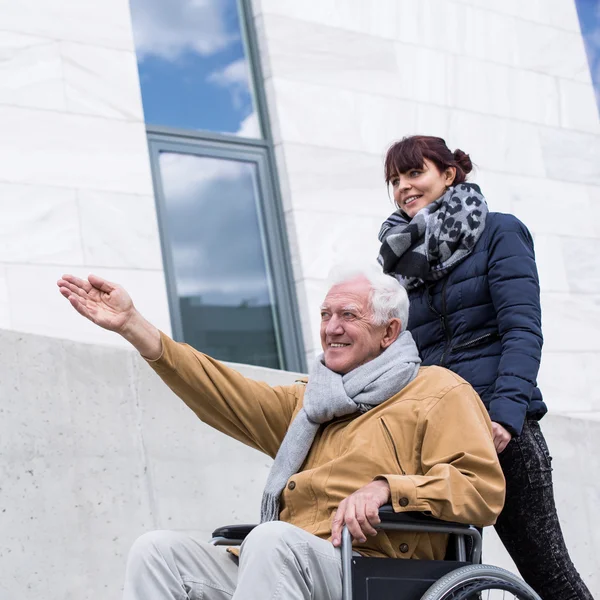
x=390, y=520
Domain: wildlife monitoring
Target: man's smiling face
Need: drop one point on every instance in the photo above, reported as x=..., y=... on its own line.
x=348, y=336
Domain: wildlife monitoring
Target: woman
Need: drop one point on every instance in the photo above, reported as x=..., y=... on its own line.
x=475, y=309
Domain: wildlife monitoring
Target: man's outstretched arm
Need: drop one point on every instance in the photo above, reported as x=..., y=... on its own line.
x=109, y=306
x=252, y=412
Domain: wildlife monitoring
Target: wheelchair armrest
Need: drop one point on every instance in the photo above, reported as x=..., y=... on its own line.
x=231, y=534
x=416, y=519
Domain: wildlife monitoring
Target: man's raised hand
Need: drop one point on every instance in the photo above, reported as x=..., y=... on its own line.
x=105, y=304
x=108, y=305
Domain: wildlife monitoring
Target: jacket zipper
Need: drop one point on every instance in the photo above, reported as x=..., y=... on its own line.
x=445, y=324
x=393, y=445
x=475, y=341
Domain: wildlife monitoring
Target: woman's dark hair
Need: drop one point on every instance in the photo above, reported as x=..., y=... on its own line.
x=411, y=152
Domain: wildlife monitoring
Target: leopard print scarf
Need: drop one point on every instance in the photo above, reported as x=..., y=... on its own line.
x=441, y=235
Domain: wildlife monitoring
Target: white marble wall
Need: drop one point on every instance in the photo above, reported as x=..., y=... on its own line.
x=75, y=184
x=506, y=81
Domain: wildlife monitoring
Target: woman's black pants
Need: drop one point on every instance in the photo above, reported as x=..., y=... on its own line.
x=528, y=525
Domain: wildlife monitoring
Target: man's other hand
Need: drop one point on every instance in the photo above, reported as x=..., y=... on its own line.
x=360, y=512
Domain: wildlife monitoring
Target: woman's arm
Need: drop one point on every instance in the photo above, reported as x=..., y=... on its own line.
x=515, y=293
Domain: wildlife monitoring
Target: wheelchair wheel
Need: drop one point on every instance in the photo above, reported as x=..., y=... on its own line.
x=480, y=582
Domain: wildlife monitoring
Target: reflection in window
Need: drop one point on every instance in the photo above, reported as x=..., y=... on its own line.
x=589, y=19
x=221, y=277
x=193, y=68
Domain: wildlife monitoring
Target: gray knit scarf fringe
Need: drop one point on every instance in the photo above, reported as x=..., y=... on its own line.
x=328, y=396
x=436, y=239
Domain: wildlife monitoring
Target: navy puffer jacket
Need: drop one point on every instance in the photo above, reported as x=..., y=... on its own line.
x=483, y=321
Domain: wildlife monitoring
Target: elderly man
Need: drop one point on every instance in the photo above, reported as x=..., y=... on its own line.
x=370, y=427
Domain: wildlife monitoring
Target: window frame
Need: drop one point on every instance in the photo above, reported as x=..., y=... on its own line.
x=285, y=317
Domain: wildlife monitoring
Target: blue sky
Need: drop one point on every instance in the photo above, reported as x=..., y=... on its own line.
x=589, y=18
x=192, y=66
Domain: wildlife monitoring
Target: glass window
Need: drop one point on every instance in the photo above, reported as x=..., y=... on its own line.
x=193, y=66
x=589, y=18
x=212, y=220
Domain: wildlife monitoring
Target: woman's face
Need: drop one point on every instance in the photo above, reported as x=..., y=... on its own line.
x=415, y=189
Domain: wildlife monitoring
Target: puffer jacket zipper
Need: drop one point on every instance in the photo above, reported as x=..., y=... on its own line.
x=478, y=340
x=445, y=326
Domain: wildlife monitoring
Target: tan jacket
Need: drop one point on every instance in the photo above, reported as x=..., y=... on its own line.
x=432, y=442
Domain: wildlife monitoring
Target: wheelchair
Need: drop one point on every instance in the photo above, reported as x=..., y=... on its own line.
x=458, y=577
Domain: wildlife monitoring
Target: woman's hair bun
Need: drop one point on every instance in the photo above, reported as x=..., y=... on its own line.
x=463, y=160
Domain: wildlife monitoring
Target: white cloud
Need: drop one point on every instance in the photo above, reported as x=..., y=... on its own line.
x=249, y=127
x=234, y=74
x=186, y=176
x=170, y=28
x=236, y=78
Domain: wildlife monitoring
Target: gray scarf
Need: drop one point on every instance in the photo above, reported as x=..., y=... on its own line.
x=441, y=235
x=329, y=395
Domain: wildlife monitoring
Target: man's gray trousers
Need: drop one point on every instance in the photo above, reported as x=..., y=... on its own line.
x=278, y=561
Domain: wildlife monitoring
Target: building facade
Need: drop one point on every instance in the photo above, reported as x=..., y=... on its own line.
x=217, y=159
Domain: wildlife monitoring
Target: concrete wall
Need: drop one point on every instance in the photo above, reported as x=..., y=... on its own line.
x=75, y=184
x=508, y=82
x=95, y=450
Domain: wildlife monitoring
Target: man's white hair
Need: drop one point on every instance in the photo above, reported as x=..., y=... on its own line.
x=388, y=298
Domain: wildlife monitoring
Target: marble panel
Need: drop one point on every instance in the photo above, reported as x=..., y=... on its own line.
x=382, y=121
x=336, y=181
x=571, y=323
x=433, y=120
x=316, y=115
x=334, y=239
x=593, y=193
x=479, y=86
x=4, y=301
x=49, y=148
x=354, y=15
x=492, y=36
x=578, y=108
x=101, y=81
x=119, y=230
x=515, y=149
x=572, y=154
x=330, y=56
x=106, y=23
x=424, y=74
x=542, y=204
x=439, y=24
x=30, y=72
x=562, y=14
x=47, y=217
x=37, y=307
x=552, y=264
x=552, y=51
x=534, y=97
x=582, y=264
x=570, y=382
x=533, y=10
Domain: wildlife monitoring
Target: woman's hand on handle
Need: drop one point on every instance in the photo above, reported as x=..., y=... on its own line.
x=109, y=306
x=501, y=437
